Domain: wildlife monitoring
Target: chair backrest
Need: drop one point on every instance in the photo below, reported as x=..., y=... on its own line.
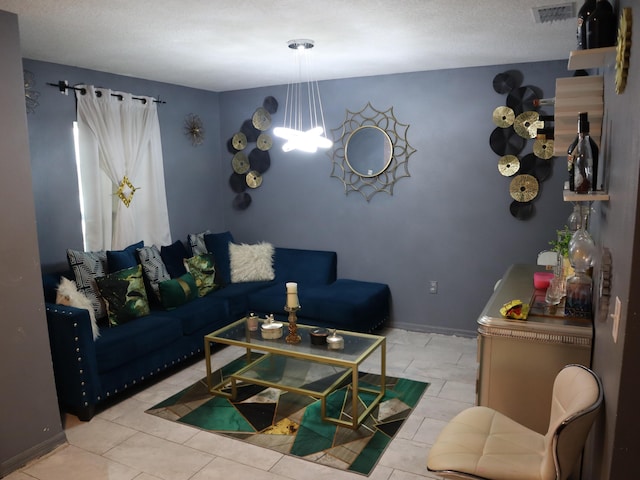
x=577, y=398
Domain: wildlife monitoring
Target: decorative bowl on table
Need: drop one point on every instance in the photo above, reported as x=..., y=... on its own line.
x=319, y=336
x=271, y=330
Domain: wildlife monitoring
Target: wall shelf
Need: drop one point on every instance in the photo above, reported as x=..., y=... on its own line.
x=592, y=58
x=570, y=196
x=575, y=95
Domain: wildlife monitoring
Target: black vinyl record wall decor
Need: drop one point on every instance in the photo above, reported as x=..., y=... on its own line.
x=518, y=125
x=250, y=164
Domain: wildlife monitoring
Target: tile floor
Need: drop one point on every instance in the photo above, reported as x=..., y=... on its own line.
x=124, y=443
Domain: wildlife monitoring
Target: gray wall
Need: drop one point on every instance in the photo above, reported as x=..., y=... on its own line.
x=614, y=450
x=28, y=411
x=449, y=221
x=192, y=174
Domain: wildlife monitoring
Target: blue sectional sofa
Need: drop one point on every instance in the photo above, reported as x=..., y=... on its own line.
x=88, y=372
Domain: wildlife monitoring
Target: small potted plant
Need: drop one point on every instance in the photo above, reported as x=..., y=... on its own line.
x=561, y=245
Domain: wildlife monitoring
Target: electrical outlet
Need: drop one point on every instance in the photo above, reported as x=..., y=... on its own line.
x=616, y=320
x=433, y=287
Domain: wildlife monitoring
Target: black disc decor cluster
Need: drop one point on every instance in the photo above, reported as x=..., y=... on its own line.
x=250, y=164
x=517, y=122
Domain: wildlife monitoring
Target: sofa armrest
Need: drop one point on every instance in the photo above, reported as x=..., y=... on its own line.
x=73, y=354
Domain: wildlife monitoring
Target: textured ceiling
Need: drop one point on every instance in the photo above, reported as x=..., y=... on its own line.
x=224, y=45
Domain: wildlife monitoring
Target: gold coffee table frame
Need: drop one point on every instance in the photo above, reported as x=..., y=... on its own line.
x=345, y=363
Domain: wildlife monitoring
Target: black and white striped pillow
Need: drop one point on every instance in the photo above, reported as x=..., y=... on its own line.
x=86, y=267
x=154, y=268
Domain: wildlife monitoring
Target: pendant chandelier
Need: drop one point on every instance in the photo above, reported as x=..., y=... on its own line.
x=303, y=127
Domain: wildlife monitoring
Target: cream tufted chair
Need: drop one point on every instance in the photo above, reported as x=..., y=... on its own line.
x=480, y=443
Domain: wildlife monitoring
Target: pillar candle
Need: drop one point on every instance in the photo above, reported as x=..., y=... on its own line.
x=292, y=295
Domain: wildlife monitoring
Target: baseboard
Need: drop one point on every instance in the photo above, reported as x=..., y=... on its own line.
x=37, y=451
x=415, y=327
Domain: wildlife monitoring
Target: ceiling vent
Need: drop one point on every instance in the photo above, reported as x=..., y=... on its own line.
x=552, y=13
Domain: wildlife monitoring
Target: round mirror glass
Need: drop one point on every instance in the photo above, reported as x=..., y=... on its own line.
x=368, y=151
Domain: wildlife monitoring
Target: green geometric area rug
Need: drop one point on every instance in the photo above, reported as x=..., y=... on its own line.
x=290, y=423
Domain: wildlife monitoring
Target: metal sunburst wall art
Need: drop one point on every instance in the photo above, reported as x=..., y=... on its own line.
x=193, y=129
x=371, y=151
x=30, y=95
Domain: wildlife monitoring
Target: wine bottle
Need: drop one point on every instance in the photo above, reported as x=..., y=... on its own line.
x=601, y=26
x=583, y=14
x=582, y=117
x=584, y=160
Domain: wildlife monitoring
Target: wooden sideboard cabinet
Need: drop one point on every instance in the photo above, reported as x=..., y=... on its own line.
x=519, y=359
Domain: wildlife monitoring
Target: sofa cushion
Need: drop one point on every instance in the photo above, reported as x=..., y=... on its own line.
x=178, y=291
x=305, y=267
x=251, y=263
x=237, y=295
x=203, y=269
x=125, y=295
x=173, y=257
x=346, y=304
x=120, y=259
x=218, y=245
x=203, y=311
x=118, y=346
x=361, y=306
x=86, y=267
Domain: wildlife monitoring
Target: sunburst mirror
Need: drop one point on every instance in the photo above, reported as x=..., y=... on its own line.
x=371, y=151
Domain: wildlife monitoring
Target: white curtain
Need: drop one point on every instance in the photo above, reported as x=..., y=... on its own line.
x=120, y=153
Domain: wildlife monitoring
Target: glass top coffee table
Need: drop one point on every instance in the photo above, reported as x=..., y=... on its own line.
x=304, y=368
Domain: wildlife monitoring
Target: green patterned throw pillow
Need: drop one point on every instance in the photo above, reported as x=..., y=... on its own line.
x=203, y=269
x=124, y=294
x=178, y=291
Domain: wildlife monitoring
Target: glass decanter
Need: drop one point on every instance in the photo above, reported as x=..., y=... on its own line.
x=582, y=249
x=579, y=287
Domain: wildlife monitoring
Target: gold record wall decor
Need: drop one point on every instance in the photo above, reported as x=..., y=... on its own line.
x=517, y=122
x=380, y=122
x=240, y=163
x=503, y=116
x=249, y=166
x=508, y=165
x=524, y=188
x=526, y=124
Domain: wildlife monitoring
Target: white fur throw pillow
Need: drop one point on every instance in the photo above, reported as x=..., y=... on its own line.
x=251, y=263
x=70, y=296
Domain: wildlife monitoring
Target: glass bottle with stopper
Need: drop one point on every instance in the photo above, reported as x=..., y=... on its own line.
x=583, y=15
x=601, y=28
x=583, y=159
x=579, y=288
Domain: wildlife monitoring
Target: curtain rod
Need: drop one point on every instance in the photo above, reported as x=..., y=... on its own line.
x=63, y=86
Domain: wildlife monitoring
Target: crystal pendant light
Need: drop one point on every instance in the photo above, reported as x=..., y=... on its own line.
x=303, y=127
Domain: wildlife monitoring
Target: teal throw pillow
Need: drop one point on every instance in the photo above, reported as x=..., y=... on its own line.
x=124, y=295
x=178, y=291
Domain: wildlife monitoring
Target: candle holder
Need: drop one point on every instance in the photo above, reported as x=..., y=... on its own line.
x=293, y=336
